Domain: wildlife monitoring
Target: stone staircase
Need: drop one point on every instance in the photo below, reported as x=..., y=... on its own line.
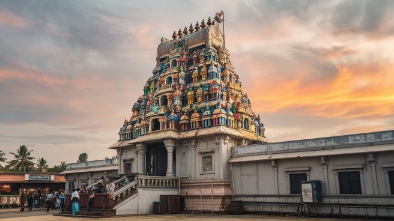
x=103, y=204
x=133, y=195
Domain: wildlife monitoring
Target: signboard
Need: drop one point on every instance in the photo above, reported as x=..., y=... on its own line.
x=5, y=187
x=37, y=177
x=307, y=192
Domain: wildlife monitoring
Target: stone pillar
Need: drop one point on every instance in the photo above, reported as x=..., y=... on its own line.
x=324, y=163
x=76, y=184
x=219, y=158
x=119, y=151
x=274, y=165
x=141, y=148
x=170, y=149
x=90, y=180
x=371, y=159
x=193, y=164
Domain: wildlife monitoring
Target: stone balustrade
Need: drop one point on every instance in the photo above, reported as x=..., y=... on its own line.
x=158, y=181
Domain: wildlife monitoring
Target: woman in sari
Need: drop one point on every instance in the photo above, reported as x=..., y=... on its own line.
x=75, y=201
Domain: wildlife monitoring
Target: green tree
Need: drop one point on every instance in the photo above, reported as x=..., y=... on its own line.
x=83, y=157
x=41, y=165
x=2, y=159
x=23, y=160
x=58, y=168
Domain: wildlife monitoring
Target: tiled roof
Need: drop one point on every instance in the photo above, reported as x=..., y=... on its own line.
x=12, y=177
x=60, y=179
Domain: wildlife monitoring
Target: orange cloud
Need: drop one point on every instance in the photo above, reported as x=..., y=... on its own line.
x=9, y=74
x=350, y=93
x=11, y=20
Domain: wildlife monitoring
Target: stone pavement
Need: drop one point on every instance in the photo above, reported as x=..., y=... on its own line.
x=41, y=215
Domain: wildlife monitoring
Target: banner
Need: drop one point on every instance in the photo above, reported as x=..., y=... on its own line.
x=5, y=188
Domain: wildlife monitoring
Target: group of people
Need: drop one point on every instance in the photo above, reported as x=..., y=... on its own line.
x=52, y=200
x=55, y=200
x=103, y=186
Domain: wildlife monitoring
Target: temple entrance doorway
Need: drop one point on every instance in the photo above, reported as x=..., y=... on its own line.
x=156, y=160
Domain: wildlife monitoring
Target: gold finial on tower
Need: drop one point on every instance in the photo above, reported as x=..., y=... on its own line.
x=191, y=29
x=197, y=27
x=180, y=33
x=185, y=32
x=174, y=35
x=203, y=24
x=209, y=21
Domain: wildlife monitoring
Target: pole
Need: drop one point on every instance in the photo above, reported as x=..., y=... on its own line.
x=212, y=197
x=179, y=185
x=224, y=39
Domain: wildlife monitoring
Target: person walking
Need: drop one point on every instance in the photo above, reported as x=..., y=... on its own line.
x=61, y=198
x=75, y=201
x=22, y=202
x=111, y=188
x=48, y=201
x=54, y=195
x=90, y=201
x=30, y=201
x=104, y=183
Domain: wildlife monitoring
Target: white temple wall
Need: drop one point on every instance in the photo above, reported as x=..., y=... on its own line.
x=128, y=156
x=257, y=178
x=384, y=162
x=265, y=185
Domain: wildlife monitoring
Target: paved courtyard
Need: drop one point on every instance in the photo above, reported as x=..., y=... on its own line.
x=42, y=215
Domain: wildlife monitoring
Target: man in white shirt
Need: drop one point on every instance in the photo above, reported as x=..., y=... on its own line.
x=48, y=201
x=111, y=188
x=75, y=201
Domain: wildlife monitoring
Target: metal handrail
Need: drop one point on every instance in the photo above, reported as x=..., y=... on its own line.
x=117, y=181
x=92, y=185
x=121, y=190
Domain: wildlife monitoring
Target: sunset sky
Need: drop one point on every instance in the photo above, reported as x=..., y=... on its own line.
x=70, y=71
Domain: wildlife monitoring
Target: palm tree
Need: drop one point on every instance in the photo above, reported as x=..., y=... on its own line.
x=2, y=158
x=23, y=160
x=42, y=165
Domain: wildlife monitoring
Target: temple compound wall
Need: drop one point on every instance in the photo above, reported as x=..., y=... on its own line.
x=356, y=172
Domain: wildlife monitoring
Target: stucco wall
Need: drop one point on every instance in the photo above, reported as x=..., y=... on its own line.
x=142, y=202
x=258, y=177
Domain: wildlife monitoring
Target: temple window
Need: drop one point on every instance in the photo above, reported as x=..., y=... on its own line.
x=246, y=124
x=169, y=80
x=206, y=97
x=164, y=100
x=127, y=166
x=173, y=63
x=207, y=163
x=155, y=124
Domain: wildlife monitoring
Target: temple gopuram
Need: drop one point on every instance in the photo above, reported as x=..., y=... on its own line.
x=191, y=112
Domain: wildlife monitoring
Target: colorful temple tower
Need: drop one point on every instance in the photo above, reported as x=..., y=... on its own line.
x=192, y=111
